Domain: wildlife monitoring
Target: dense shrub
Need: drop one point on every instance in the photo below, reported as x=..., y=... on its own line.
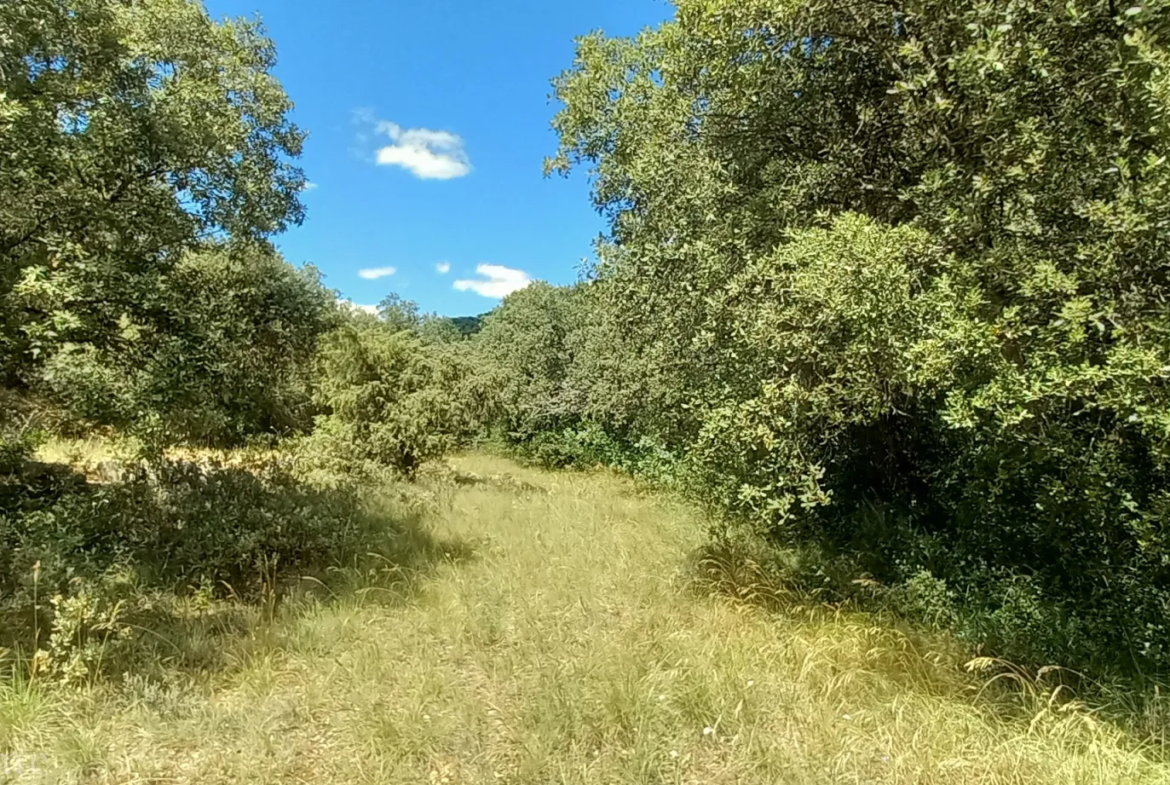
x=889, y=280
x=390, y=400
x=222, y=351
x=528, y=345
x=80, y=561
x=177, y=524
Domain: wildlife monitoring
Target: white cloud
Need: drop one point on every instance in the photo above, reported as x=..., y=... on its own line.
x=308, y=186
x=442, y=268
x=374, y=273
x=428, y=155
x=497, y=281
x=370, y=309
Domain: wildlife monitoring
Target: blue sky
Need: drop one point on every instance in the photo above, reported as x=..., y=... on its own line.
x=429, y=123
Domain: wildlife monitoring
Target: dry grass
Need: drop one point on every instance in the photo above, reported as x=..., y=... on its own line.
x=96, y=455
x=568, y=644
x=84, y=455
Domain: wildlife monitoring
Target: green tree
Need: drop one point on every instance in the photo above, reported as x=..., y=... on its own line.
x=130, y=132
x=529, y=343
x=391, y=400
x=892, y=277
x=400, y=314
x=223, y=350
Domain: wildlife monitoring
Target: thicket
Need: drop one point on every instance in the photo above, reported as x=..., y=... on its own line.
x=397, y=390
x=884, y=284
x=887, y=283
x=148, y=159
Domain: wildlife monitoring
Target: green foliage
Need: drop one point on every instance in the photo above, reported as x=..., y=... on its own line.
x=844, y=342
x=404, y=315
x=391, y=400
x=223, y=352
x=81, y=562
x=467, y=325
x=589, y=445
x=528, y=345
x=129, y=133
x=17, y=445
x=889, y=280
x=400, y=314
x=148, y=160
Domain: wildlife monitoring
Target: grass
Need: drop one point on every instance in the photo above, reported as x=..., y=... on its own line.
x=95, y=455
x=567, y=639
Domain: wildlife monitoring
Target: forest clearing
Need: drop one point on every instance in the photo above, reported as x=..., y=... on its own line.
x=559, y=628
x=807, y=421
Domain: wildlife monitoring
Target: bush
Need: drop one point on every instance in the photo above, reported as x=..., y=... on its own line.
x=587, y=445
x=391, y=401
x=874, y=413
x=78, y=560
x=223, y=353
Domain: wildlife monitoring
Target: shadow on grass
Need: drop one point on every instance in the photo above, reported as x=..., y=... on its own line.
x=809, y=589
x=173, y=566
x=502, y=482
x=752, y=574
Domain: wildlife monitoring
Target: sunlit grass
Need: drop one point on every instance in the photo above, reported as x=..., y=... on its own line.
x=566, y=640
x=85, y=454
x=98, y=455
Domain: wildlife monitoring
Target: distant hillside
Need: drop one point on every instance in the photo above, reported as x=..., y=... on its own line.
x=468, y=325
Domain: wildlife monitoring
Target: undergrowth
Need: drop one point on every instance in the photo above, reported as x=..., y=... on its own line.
x=570, y=628
x=105, y=563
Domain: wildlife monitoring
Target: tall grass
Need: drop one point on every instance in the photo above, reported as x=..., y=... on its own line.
x=566, y=629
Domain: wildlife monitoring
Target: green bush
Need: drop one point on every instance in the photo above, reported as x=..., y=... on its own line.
x=391, y=401
x=78, y=561
x=223, y=353
x=588, y=445
x=874, y=412
x=891, y=282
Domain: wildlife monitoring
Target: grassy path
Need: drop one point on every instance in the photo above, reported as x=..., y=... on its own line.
x=557, y=640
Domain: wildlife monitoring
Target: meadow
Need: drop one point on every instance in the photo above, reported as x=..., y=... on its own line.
x=563, y=627
x=844, y=459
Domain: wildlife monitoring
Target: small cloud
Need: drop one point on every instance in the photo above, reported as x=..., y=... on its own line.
x=374, y=273
x=308, y=186
x=497, y=281
x=427, y=154
x=442, y=268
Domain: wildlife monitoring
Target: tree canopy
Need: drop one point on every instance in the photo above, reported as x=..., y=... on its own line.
x=888, y=280
x=132, y=135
